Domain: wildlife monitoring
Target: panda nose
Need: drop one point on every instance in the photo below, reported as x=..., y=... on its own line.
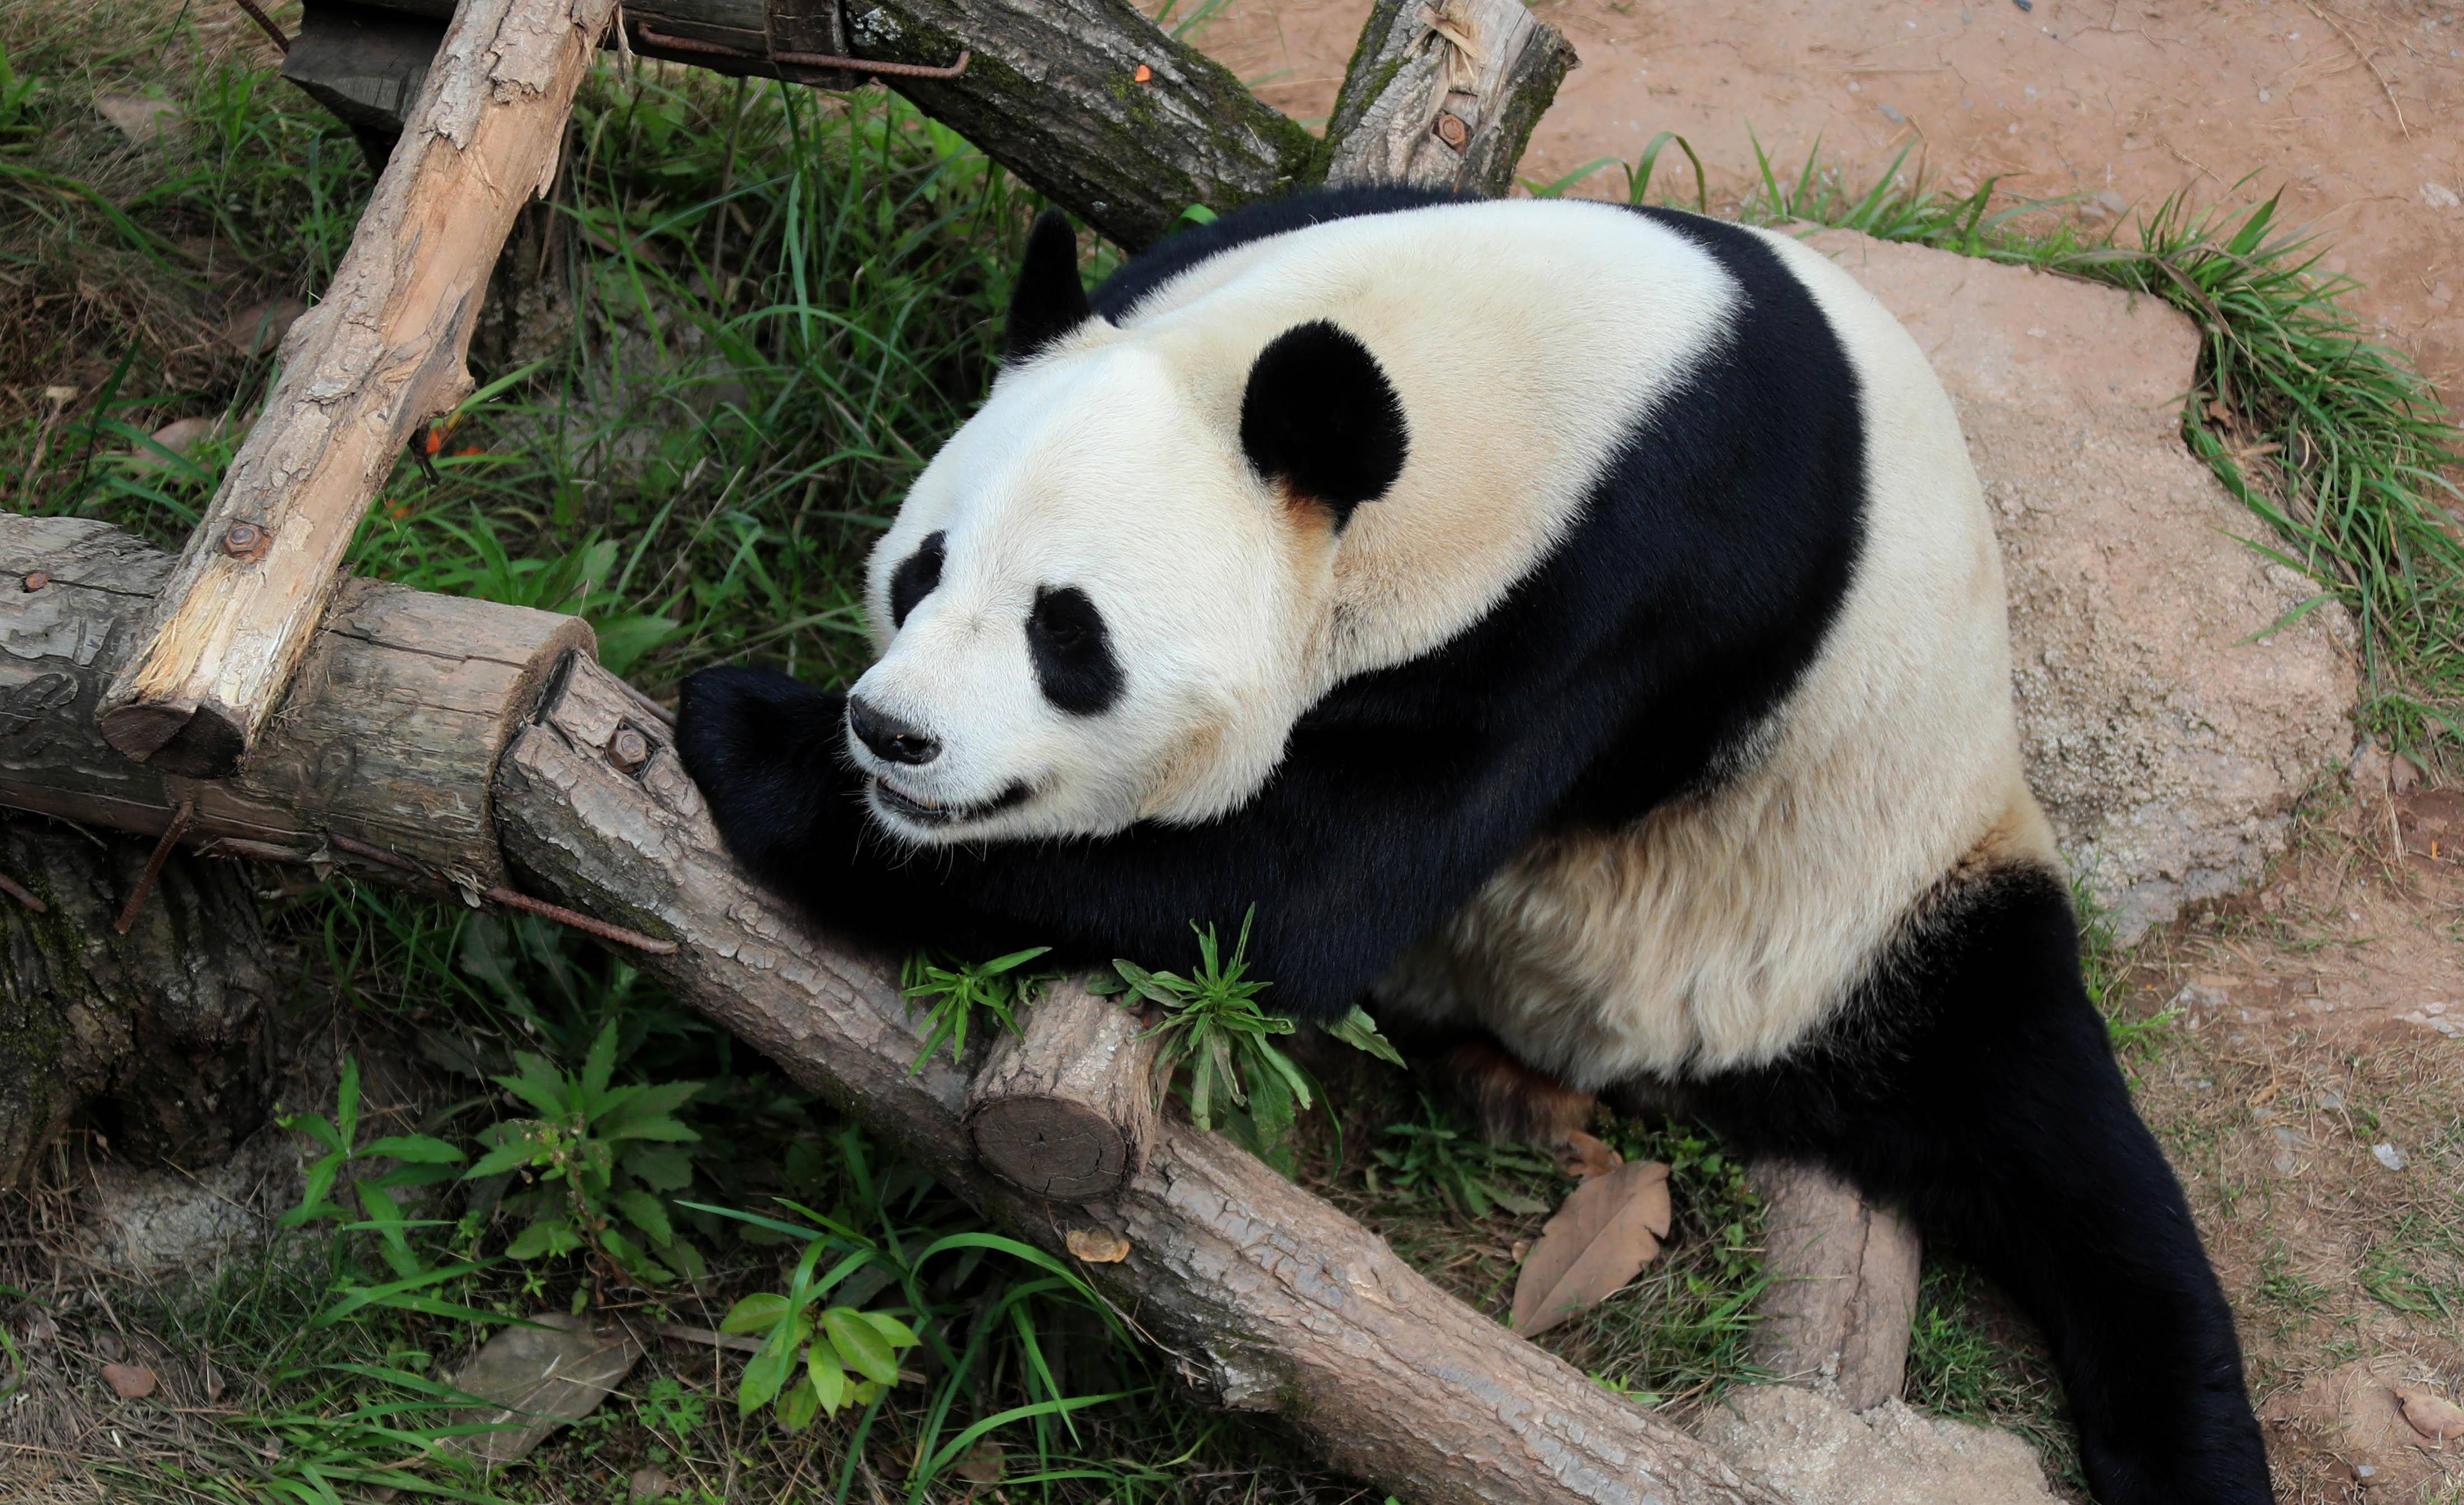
x=888, y=737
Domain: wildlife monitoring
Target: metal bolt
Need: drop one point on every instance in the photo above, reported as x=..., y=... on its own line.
x=246, y=540
x=629, y=749
x=38, y=580
x=1452, y=130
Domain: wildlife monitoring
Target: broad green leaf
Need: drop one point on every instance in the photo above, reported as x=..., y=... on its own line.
x=600, y=1066
x=505, y=1157
x=546, y=1238
x=538, y=1084
x=644, y=1212
x=861, y=1345
x=645, y=1116
x=661, y=1167
x=827, y=1376
x=898, y=1333
x=796, y=1404
x=631, y=1259
x=765, y=1374
x=1359, y=1030
x=417, y=1148
x=757, y=1313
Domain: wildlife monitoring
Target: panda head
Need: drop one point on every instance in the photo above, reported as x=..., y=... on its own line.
x=1105, y=598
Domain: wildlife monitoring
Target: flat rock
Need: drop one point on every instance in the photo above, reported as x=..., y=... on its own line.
x=1815, y=1450
x=2167, y=741
x=539, y=1378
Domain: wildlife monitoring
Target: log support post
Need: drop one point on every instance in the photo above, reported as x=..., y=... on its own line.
x=359, y=371
x=1842, y=1287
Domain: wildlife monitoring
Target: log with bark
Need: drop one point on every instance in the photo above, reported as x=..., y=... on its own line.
x=1269, y=1300
x=380, y=353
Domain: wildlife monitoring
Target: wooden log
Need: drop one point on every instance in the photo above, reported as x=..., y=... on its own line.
x=391, y=735
x=1065, y=1108
x=1844, y=1287
x=382, y=352
x=1052, y=91
x=1443, y=95
x=365, y=65
x=1272, y=1299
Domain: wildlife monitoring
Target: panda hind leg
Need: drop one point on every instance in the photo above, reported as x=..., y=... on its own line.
x=1977, y=1088
x=1510, y=1102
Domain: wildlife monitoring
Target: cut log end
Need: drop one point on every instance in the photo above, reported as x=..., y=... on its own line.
x=195, y=745
x=1057, y=1147
x=1065, y=1108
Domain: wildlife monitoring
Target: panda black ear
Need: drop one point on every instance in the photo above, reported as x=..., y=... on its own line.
x=1048, y=301
x=1321, y=417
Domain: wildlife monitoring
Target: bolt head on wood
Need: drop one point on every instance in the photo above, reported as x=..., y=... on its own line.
x=629, y=749
x=1452, y=130
x=246, y=540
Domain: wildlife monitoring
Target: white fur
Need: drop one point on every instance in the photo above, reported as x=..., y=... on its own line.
x=1112, y=463
x=1719, y=931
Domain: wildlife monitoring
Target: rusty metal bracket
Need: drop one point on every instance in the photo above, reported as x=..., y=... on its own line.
x=647, y=38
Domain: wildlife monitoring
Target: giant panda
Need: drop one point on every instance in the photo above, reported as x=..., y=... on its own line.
x=1574, y=625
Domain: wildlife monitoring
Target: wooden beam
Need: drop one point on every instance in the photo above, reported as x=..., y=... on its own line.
x=383, y=351
x=1444, y=94
x=402, y=704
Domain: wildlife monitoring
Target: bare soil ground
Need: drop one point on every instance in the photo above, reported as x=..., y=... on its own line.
x=2355, y=109
x=2308, y=1076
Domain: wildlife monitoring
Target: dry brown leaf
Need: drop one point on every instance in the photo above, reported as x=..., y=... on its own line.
x=1098, y=1246
x=1608, y=1228
x=2434, y=1418
x=129, y=1382
x=982, y=1463
x=1584, y=1156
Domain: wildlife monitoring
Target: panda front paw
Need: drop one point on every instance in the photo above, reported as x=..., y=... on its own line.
x=769, y=755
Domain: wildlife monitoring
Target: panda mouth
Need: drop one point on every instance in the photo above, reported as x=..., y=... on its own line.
x=921, y=811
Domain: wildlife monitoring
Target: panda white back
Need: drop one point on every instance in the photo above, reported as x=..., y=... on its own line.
x=1726, y=926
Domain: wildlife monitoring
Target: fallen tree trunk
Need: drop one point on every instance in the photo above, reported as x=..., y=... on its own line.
x=402, y=704
x=382, y=352
x=1269, y=1300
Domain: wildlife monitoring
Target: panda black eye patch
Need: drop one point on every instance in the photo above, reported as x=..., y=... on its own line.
x=914, y=578
x=1072, y=650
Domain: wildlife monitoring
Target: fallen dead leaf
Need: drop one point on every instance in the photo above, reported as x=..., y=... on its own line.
x=260, y=327
x=1098, y=1246
x=982, y=1463
x=2435, y=1418
x=137, y=118
x=649, y=1484
x=129, y=1382
x=1608, y=1228
x=1584, y=1156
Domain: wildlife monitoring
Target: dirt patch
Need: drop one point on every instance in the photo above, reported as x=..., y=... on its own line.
x=2121, y=102
x=2303, y=1072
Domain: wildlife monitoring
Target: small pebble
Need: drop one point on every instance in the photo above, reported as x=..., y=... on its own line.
x=2388, y=1156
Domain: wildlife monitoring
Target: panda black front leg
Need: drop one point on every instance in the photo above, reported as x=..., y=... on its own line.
x=1978, y=1088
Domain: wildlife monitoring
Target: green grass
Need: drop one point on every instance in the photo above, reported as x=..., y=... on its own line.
x=714, y=361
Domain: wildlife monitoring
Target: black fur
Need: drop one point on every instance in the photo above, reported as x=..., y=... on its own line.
x=1708, y=565
x=1975, y=1086
x=915, y=576
x=1319, y=416
x=1072, y=651
x=1048, y=301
